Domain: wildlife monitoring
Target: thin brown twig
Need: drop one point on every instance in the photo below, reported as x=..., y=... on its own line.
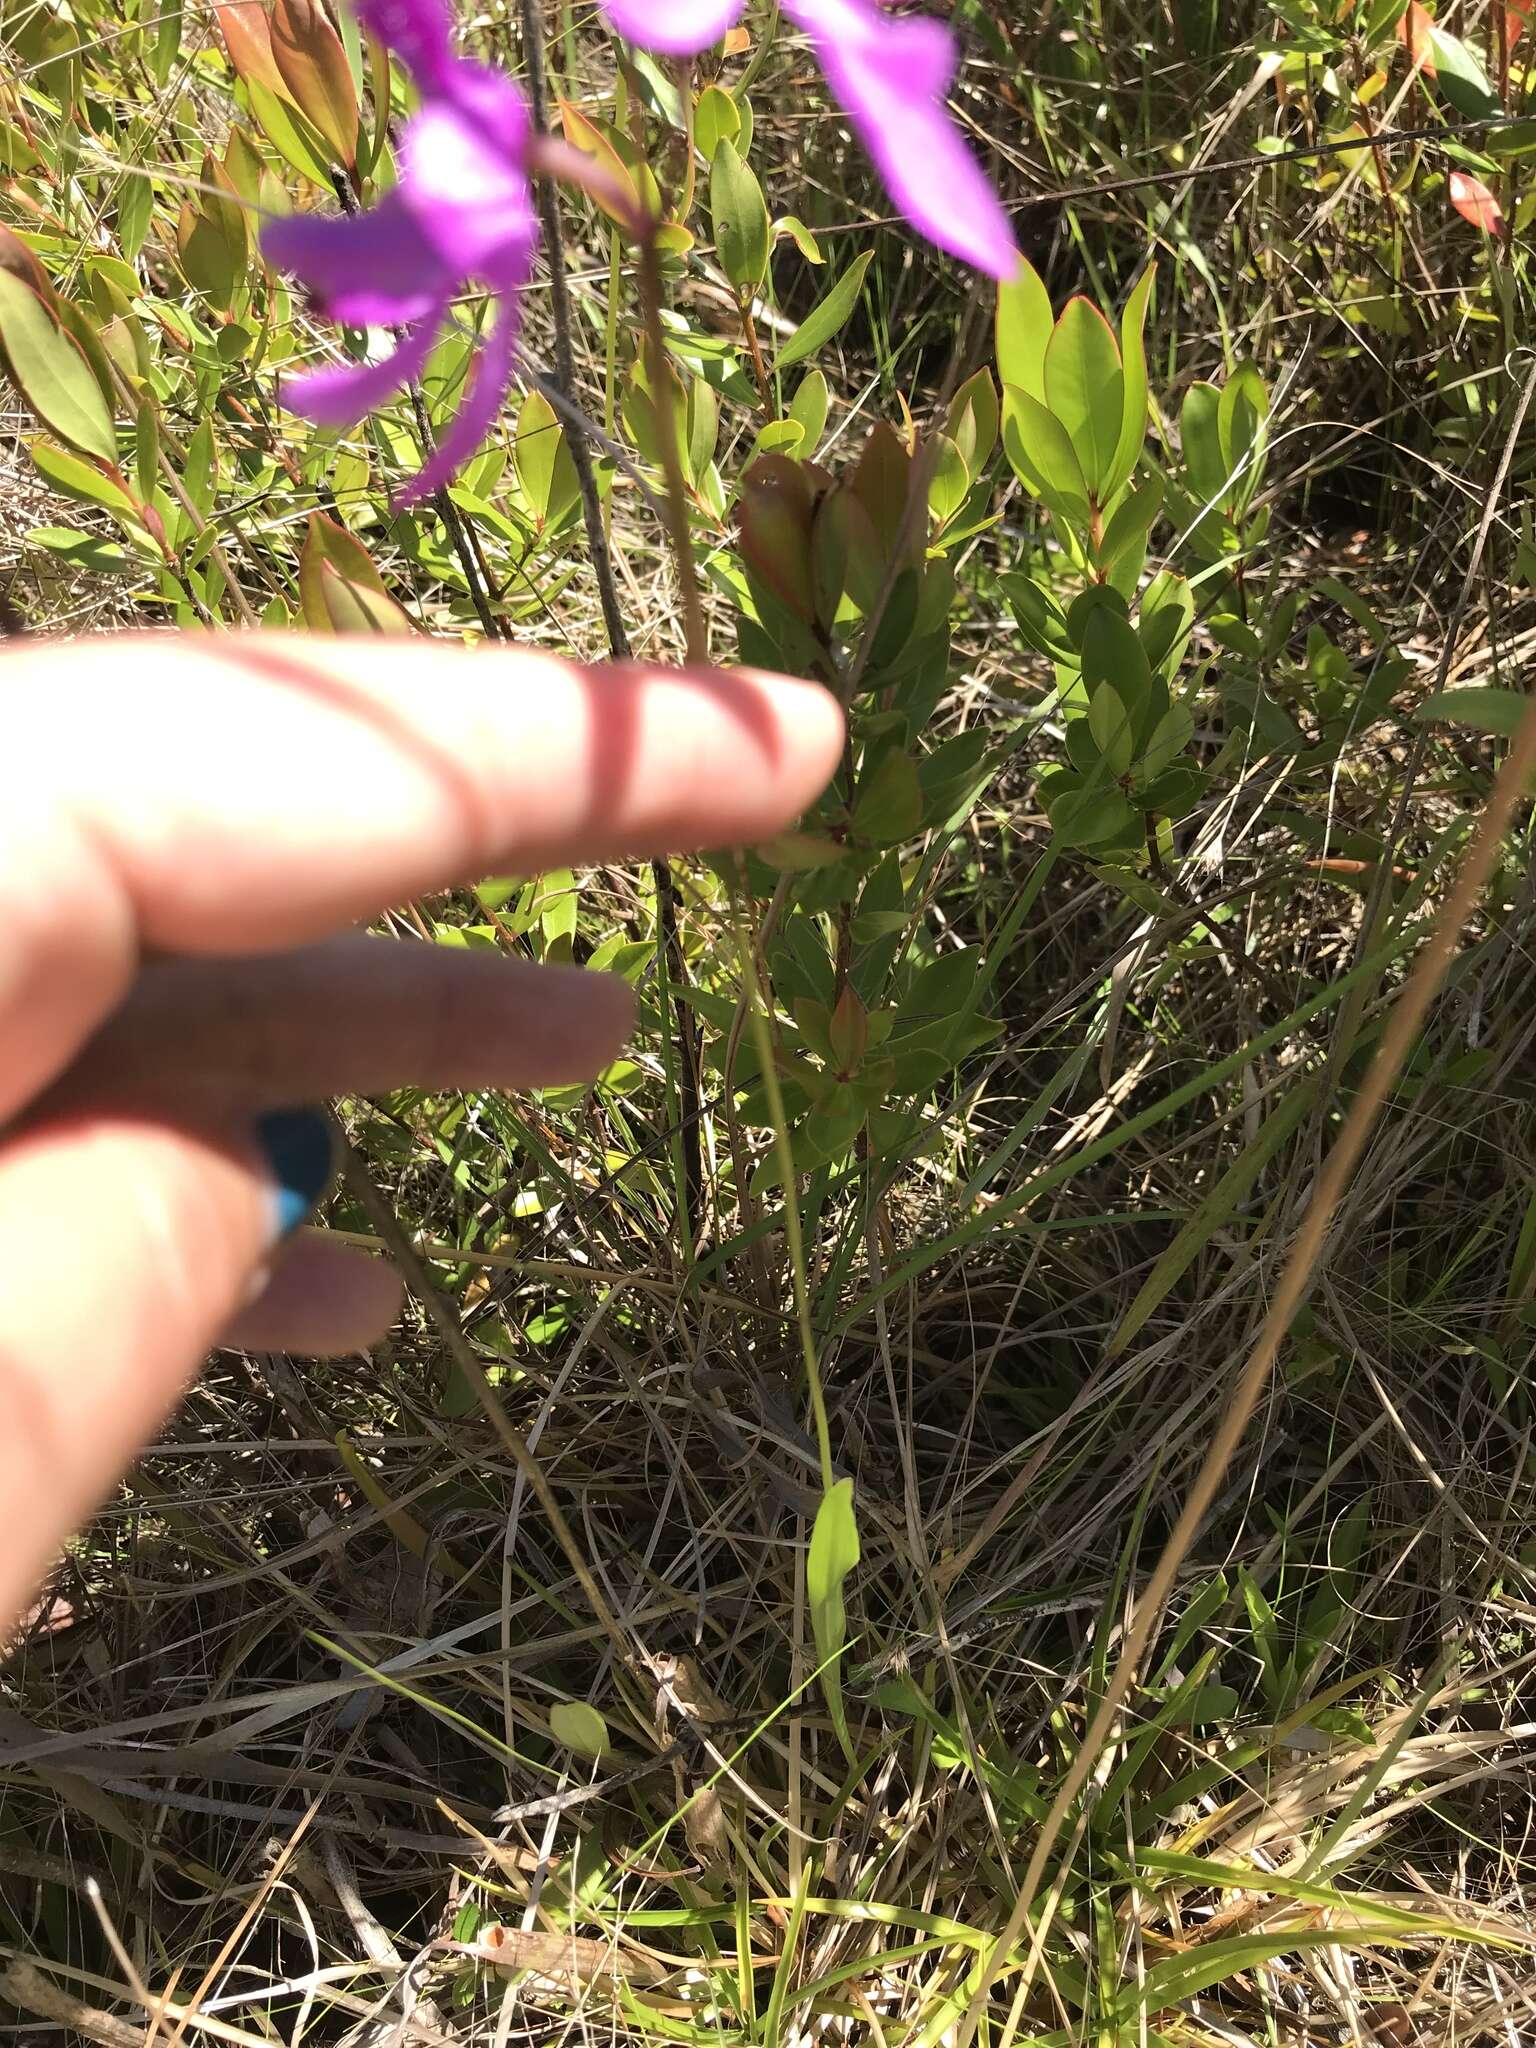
x=674, y=961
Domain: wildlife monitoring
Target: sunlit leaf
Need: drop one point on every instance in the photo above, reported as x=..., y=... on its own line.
x=827, y=318
x=50, y=372
x=1475, y=203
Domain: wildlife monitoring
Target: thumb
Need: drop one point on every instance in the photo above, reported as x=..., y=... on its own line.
x=131, y=1244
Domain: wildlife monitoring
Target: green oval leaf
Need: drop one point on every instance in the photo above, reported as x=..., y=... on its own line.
x=1024, y=323
x=833, y=1554
x=827, y=318
x=1479, y=708
x=716, y=119
x=809, y=406
x=1085, y=389
x=743, y=236
x=1042, y=455
x=575, y=1725
x=51, y=373
x=77, y=479
x=1133, y=361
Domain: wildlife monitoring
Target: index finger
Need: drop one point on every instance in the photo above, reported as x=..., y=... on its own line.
x=240, y=793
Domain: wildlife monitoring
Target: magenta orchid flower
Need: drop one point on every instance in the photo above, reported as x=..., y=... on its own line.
x=461, y=213
x=891, y=75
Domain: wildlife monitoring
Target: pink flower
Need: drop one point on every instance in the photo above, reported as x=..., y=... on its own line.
x=891, y=75
x=461, y=213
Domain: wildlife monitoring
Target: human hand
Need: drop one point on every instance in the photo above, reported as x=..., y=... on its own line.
x=187, y=825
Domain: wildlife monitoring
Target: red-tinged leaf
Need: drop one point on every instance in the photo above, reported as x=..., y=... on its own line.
x=340, y=588
x=1517, y=20
x=1474, y=202
x=19, y=260
x=621, y=199
x=247, y=37
x=1413, y=28
x=314, y=69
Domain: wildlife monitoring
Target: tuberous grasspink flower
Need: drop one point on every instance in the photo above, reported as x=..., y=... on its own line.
x=891, y=75
x=462, y=212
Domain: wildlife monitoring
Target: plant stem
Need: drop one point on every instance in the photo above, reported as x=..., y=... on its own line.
x=688, y=1153
x=679, y=528
x=471, y=560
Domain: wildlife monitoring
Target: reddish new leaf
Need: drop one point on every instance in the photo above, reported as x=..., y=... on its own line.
x=1413, y=28
x=313, y=64
x=1474, y=202
x=248, y=41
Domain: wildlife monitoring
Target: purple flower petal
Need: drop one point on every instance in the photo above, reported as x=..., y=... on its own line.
x=477, y=415
x=677, y=28
x=891, y=77
x=376, y=270
x=342, y=393
x=420, y=31
x=462, y=170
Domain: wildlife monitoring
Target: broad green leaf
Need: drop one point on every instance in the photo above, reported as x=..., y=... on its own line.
x=1040, y=618
x=1479, y=708
x=974, y=419
x=340, y=587
x=580, y=1727
x=1461, y=78
x=88, y=551
x=353, y=608
x=135, y=204
x=1085, y=389
x=701, y=428
x=890, y=801
x=833, y=1554
x=146, y=451
x=77, y=479
x=296, y=142
x=1167, y=615
x=809, y=408
x=1133, y=359
x=1241, y=418
x=828, y=317
x=779, y=437
x=799, y=852
x=1090, y=817
x=1112, y=653
x=598, y=143
x=1167, y=740
x=1200, y=438
x=1042, y=455
x=1130, y=523
x=1110, y=724
x=1024, y=323
x=950, y=480
x=716, y=119
x=200, y=470
x=739, y=213
x=51, y=373
x=313, y=65
x=541, y=455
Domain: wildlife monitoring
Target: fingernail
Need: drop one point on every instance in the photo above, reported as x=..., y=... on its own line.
x=301, y=1159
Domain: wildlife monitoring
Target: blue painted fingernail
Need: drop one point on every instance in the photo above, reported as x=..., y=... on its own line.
x=301, y=1158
